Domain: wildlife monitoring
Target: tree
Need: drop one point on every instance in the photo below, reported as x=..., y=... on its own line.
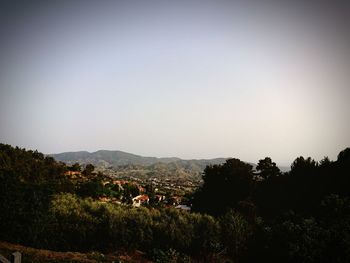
x=267, y=168
x=92, y=189
x=75, y=167
x=88, y=169
x=343, y=168
x=302, y=166
x=130, y=191
x=235, y=232
x=344, y=157
x=224, y=186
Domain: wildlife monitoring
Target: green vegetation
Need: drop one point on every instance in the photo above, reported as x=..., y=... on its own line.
x=239, y=215
x=124, y=164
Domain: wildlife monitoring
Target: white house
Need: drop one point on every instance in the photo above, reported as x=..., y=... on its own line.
x=140, y=200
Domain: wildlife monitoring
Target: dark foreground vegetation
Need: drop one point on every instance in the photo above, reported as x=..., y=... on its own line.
x=238, y=215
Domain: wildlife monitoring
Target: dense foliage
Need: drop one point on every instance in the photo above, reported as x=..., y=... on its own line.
x=240, y=214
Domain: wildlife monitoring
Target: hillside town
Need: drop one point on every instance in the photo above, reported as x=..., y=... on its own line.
x=133, y=191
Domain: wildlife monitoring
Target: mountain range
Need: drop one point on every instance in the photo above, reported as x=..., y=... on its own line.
x=114, y=159
x=122, y=160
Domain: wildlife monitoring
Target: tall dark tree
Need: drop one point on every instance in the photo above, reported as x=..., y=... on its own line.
x=224, y=186
x=343, y=167
x=75, y=167
x=344, y=157
x=88, y=169
x=303, y=167
x=267, y=168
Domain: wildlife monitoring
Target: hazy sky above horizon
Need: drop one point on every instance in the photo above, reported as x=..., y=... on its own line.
x=192, y=79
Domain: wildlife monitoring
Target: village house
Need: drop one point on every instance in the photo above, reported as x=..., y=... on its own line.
x=140, y=200
x=141, y=189
x=73, y=174
x=120, y=184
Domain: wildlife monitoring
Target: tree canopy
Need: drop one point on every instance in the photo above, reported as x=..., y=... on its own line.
x=267, y=168
x=224, y=186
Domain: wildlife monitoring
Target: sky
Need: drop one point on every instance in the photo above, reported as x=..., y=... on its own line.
x=191, y=79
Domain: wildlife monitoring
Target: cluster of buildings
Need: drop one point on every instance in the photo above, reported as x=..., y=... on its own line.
x=144, y=200
x=173, y=188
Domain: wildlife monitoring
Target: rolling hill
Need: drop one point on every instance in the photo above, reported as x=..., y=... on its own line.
x=115, y=159
x=140, y=166
x=128, y=164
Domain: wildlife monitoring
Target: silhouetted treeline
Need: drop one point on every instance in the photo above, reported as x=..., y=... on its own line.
x=267, y=192
x=299, y=216
x=240, y=214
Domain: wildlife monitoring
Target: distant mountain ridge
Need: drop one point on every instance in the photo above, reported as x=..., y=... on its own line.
x=109, y=158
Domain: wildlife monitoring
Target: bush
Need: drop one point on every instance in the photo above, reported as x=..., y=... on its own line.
x=235, y=233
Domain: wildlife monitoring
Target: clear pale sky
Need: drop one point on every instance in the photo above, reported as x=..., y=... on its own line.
x=192, y=79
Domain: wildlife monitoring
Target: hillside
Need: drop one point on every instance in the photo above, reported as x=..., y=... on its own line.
x=108, y=158
x=128, y=164
x=125, y=165
x=118, y=158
